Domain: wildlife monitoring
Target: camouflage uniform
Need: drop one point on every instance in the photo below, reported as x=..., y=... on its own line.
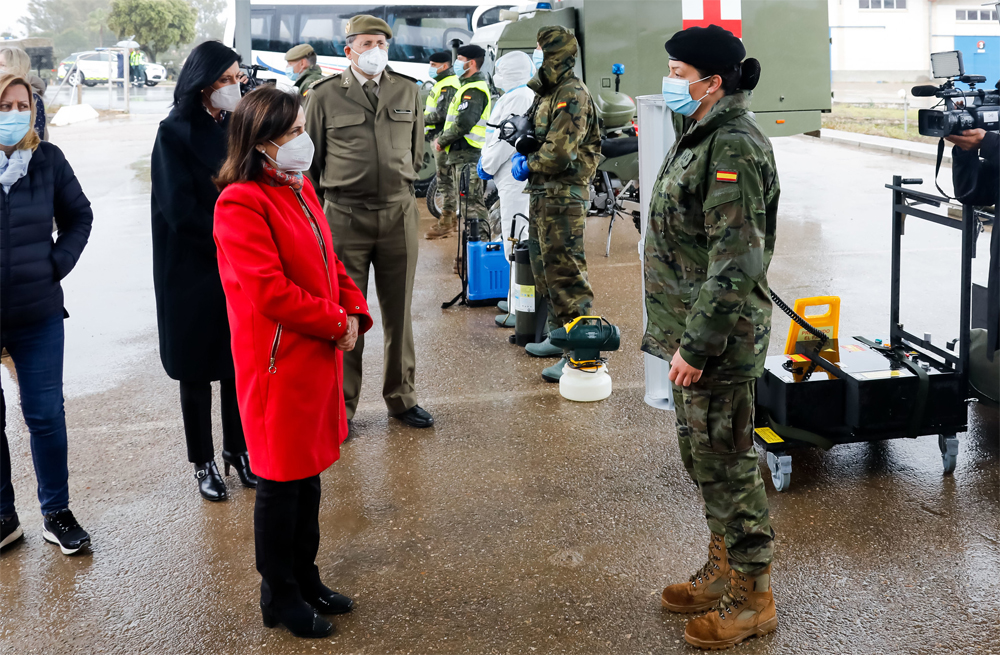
x=461, y=153
x=708, y=246
x=307, y=77
x=559, y=179
x=445, y=179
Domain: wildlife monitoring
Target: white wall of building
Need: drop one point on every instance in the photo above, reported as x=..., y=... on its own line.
x=894, y=45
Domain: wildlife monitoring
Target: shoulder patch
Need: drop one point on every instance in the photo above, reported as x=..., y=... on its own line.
x=561, y=105
x=464, y=105
x=726, y=176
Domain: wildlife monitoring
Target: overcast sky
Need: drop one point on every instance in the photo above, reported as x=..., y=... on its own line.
x=12, y=12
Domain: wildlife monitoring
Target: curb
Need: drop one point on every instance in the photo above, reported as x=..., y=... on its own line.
x=885, y=144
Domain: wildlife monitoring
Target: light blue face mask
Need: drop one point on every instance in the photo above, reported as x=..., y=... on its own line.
x=291, y=74
x=677, y=95
x=537, y=57
x=432, y=72
x=459, y=67
x=13, y=126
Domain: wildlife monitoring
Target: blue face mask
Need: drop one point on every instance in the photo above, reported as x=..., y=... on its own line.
x=291, y=74
x=433, y=72
x=677, y=95
x=537, y=57
x=459, y=67
x=13, y=126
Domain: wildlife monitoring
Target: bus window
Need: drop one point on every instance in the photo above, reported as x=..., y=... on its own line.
x=489, y=17
x=419, y=31
x=260, y=30
x=279, y=28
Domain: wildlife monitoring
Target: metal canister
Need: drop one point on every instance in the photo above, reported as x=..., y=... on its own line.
x=523, y=298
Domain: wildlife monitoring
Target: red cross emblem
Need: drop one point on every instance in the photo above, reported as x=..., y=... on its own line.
x=727, y=14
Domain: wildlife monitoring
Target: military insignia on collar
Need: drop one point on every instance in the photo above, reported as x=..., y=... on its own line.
x=726, y=176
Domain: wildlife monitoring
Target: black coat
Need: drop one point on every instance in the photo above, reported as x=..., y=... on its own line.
x=31, y=264
x=190, y=304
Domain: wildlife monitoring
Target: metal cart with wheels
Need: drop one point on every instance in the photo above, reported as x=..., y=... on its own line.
x=868, y=390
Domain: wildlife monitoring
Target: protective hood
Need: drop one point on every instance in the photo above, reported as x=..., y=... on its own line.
x=512, y=70
x=559, y=47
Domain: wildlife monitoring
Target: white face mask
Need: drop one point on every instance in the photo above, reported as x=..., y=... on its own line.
x=373, y=61
x=295, y=155
x=226, y=98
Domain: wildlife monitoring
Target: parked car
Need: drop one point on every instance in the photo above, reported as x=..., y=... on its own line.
x=91, y=68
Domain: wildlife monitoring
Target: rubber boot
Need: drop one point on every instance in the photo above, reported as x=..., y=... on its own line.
x=554, y=372
x=704, y=589
x=543, y=349
x=504, y=320
x=444, y=227
x=746, y=609
x=503, y=306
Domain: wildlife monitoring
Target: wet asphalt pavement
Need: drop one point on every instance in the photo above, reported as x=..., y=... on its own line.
x=521, y=523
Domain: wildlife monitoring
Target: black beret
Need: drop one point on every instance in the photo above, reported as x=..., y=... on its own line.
x=706, y=48
x=443, y=57
x=471, y=52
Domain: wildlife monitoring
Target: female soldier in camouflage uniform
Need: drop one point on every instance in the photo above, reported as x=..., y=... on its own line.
x=708, y=246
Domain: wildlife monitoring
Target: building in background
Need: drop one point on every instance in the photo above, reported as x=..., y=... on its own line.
x=891, y=40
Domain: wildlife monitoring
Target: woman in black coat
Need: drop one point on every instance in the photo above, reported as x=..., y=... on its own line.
x=37, y=185
x=190, y=304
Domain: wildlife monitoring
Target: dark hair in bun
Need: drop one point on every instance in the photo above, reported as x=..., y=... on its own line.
x=749, y=74
x=741, y=77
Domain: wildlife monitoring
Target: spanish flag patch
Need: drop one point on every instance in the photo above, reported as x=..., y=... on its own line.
x=560, y=105
x=726, y=176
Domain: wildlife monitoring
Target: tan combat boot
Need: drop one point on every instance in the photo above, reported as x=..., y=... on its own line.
x=703, y=591
x=746, y=610
x=444, y=227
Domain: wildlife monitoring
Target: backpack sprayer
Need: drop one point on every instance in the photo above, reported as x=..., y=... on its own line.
x=585, y=378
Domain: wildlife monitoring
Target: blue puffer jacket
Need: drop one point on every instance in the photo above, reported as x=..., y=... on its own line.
x=31, y=263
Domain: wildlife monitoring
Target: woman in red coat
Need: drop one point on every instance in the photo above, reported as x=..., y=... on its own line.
x=293, y=311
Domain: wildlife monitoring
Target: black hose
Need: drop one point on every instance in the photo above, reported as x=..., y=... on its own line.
x=805, y=325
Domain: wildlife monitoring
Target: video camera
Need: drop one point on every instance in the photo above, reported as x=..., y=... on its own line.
x=959, y=114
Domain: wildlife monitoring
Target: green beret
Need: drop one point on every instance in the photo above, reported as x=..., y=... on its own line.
x=365, y=24
x=706, y=48
x=300, y=51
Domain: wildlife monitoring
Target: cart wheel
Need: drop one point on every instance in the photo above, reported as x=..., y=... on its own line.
x=949, y=451
x=781, y=470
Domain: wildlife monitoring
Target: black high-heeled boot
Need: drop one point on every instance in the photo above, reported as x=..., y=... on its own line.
x=300, y=619
x=240, y=462
x=328, y=601
x=210, y=483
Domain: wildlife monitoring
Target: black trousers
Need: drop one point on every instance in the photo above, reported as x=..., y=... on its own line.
x=196, y=409
x=286, y=540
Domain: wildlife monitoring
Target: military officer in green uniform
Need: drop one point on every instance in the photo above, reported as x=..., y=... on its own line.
x=559, y=176
x=708, y=245
x=301, y=67
x=435, y=112
x=465, y=130
x=368, y=127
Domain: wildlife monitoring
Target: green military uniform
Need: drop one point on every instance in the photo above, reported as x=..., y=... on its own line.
x=708, y=246
x=559, y=179
x=307, y=77
x=464, y=136
x=367, y=157
x=435, y=113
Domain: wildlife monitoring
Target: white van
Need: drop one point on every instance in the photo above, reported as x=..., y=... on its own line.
x=419, y=30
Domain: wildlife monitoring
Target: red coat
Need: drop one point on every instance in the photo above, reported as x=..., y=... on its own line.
x=285, y=311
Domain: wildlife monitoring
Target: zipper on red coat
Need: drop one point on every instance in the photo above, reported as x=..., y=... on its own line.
x=319, y=238
x=274, y=349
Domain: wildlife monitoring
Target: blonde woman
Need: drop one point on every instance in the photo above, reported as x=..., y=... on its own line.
x=37, y=185
x=15, y=61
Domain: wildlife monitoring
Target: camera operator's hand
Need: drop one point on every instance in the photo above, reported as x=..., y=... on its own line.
x=967, y=140
x=350, y=337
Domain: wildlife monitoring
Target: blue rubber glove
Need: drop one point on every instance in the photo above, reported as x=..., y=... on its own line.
x=483, y=175
x=519, y=167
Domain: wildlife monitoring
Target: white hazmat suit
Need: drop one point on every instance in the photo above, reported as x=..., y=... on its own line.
x=511, y=73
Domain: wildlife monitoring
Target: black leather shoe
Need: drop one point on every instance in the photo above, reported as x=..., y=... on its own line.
x=330, y=602
x=301, y=620
x=210, y=483
x=416, y=417
x=240, y=462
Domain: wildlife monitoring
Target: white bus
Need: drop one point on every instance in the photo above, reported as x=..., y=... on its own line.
x=419, y=30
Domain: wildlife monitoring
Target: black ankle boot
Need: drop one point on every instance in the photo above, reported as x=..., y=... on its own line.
x=327, y=601
x=210, y=483
x=240, y=462
x=300, y=619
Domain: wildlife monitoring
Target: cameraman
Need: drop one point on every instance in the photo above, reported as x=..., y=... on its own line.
x=975, y=166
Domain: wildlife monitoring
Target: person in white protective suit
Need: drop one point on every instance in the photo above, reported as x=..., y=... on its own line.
x=511, y=73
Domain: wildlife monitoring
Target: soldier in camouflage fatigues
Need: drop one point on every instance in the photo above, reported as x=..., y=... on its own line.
x=559, y=179
x=708, y=245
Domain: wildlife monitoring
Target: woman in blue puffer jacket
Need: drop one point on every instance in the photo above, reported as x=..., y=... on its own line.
x=37, y=185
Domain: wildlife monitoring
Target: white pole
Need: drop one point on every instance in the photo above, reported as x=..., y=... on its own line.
x=128, y=78
x=111, y=88
x=906, y=112
x=241, y=37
